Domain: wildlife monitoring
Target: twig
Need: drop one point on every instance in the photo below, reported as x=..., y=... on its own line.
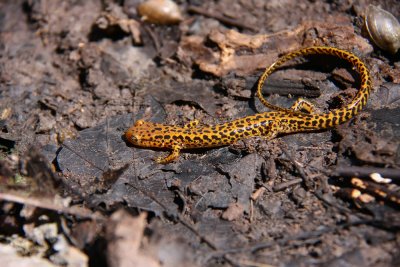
x=289, y=87
x=377, y=190
x=284, y=185
x=45, y=204
x=354, y=171
x=153, y=37
x=299, y=169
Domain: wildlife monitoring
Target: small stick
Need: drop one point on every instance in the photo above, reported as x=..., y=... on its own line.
x=284, y=185
x=354, y=171
x=46, y=204
x=377, y=190
x=299, y=168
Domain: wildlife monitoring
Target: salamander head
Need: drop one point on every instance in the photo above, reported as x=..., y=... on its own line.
x=145, y=134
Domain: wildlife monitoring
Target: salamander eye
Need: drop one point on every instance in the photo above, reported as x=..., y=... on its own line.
x=139, y=122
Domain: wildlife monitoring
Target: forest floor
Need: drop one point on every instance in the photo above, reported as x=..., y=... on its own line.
x=75, y=75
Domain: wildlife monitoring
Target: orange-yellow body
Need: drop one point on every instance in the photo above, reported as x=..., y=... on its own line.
x=299, y=118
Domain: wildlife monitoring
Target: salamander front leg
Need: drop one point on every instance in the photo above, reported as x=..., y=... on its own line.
x=303, y=105
x=171, y=157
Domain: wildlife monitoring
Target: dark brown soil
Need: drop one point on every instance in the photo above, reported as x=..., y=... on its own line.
x=75, y=75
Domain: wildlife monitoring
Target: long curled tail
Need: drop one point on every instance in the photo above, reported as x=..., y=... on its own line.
x=336, y=116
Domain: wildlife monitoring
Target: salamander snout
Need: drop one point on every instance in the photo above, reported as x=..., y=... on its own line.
x=136, y=133
x=131, y=136
x=145, y=134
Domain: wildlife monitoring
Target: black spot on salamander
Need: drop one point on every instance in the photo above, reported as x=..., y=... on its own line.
x=222, y=135
x=167, y=136
x=205, y=137
x=197, y=138
x=158, y=137
x=328, y=122
x=215, y=137
x=314, y=123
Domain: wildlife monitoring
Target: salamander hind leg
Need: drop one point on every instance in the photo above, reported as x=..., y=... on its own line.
x=303, y=105
x=171, y=157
